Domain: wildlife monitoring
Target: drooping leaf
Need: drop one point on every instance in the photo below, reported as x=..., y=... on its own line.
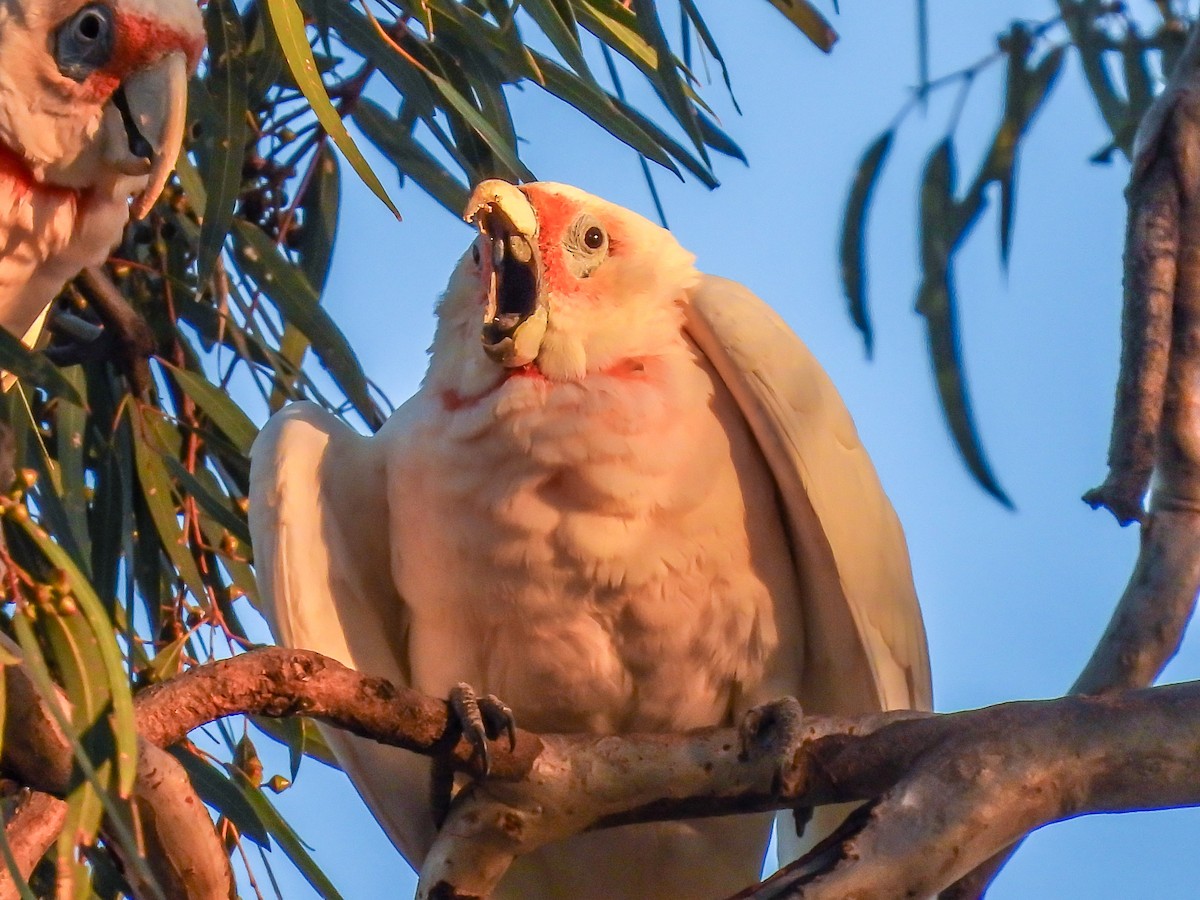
x=218, y=406
x=298, y=303
x=669, y=82
x=35, y=369
x=288, y=24
x=224, y=795
x=853, y=246
x=809, y=20
x=409, y=157
x=153, y=438
x=111, y=672
x=1026, y=92
x=290, y=842
x=117, y=818
x=941, y=232
x=557, y=22
x=692, y=14
x=226, y=82
x=301, y=736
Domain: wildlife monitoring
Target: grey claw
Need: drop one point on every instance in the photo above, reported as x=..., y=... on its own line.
x=466, y=709
x=482, y=718
x=499, y=718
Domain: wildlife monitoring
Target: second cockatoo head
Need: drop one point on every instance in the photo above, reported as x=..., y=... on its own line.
x=560, y=283
x=93, y=93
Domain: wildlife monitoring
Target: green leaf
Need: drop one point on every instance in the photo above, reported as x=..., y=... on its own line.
x=224, y=794
x=669, y=83
x=111, y=661
x=289, y=842
x=153, y=438
x=227, y=87
x=239, y=570
x=77, y=659
x=557, y=22
x=218, y=406
x=35, y=369
x=941, y=232
x=69, y=424
x=1026, y=92
x=692, y=14
x=853, y=248
x=615, y=24
x=809, y=20
x=301, y=736
x=298, y=303
x=117, y=822
x=214, y=503
x=409, y=157
x=719, y=140
x=319, y=207
x=288, y=24
x=506, y=153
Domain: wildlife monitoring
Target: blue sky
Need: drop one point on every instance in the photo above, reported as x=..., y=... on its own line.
x=1013, y=600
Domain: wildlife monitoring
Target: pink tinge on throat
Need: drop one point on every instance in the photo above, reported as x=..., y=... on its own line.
x=452, y=400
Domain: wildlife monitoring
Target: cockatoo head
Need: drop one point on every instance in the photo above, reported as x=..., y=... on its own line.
x=558, y=283
x=93, y=93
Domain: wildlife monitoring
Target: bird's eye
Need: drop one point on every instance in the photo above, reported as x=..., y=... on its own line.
x=593, y=238
x=587, y=245
x=84, y=42
x=475, y=252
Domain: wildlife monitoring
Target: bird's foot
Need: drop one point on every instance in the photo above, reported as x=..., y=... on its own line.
x=481, y=719
x=478, y=719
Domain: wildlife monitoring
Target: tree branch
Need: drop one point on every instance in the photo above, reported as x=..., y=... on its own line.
x=186, y=858
x=1156, y=422
x=944, y=792
x=30, y=831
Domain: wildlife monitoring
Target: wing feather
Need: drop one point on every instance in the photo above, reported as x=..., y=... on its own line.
x=319, y=523
x=859, y=607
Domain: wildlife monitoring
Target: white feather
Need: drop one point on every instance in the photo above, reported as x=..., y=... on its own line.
x=685, y=530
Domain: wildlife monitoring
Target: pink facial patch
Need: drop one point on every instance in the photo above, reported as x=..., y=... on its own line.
x=140, y=41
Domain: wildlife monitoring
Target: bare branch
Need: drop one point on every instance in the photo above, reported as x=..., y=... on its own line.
x=276, y=682
x=944, y=792
x=30, y=830
x=989, y=776
x=183, y=852
x=187, y=860
x=1156, y=422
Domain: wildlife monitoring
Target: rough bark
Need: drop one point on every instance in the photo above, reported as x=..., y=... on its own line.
x=1156, y=420
x=185, y=858
x=30, y=831
x=944, y=792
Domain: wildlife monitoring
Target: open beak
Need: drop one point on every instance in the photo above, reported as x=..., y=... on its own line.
x=516, y=312
x=152, y=104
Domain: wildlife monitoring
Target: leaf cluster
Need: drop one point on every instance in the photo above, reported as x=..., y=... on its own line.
x=127, y=555
x=1125, y=61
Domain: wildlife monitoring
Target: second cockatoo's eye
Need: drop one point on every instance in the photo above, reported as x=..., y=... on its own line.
x=586, y=243
x=84, y=42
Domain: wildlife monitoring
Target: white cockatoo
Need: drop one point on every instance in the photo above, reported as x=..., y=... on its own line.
x=93, y=98
x=625, y=498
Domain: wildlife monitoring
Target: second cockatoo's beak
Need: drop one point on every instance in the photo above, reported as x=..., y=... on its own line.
x=144, y=125
x=516, y=311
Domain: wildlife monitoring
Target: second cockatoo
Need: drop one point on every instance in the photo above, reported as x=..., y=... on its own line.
x=93, y=98
x=625, y=498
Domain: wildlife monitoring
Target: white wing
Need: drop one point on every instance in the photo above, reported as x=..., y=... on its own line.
x=864, y=639
x=319, y=522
